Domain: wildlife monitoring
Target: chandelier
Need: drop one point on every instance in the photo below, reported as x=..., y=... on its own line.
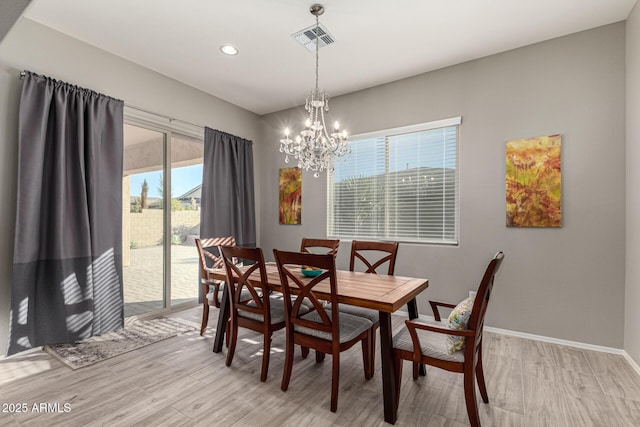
x=315, y=147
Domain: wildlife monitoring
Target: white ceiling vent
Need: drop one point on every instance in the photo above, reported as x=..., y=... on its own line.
x=307, y=37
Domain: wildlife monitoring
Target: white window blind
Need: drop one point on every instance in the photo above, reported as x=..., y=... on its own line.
x=399, y=184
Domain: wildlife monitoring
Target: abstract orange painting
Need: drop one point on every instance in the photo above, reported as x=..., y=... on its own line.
x=534, y=182
x=290, y=196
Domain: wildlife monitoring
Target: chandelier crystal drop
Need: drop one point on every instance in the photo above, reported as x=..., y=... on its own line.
x=314, y=147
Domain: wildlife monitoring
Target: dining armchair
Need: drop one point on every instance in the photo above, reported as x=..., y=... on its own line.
x=371, y=256
x=455, y=345
x=324, y=329
x=210, y=258
x=327, y=246
x=251, y=307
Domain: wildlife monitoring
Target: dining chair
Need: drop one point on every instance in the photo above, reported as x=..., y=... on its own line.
x=455, y=345
x=210, y=259
x=327, y=246
x=373, y=256
x=313, y=245
x=324, y=328
x=251, y=307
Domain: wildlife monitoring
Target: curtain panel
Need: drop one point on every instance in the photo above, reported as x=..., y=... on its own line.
x=227, y=200
x=67, y=266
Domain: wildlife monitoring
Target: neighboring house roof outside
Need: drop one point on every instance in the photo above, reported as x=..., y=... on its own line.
x=194, y=193
x=152, y=202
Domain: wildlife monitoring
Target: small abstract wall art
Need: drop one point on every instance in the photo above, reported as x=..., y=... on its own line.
x=290, y=196
x=534, y=182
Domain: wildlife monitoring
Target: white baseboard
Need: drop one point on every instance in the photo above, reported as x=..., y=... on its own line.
x=543, y=338
x=632, y=362
x=576, y=344
x=634, y=365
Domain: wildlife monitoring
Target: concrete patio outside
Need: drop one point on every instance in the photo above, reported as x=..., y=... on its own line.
x=143, y=278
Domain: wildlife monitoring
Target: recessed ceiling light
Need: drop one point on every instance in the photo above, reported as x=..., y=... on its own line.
x=227, y=49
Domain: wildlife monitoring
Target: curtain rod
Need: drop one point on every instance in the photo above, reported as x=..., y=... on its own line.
x=171, y=119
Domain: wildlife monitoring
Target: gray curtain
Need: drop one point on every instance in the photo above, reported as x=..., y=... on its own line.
x=227, y=201
x=67, y=265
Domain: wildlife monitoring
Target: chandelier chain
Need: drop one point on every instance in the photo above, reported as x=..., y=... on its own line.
x=317, y=49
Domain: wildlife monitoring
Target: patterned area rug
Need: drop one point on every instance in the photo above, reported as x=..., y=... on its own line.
x=135, y=335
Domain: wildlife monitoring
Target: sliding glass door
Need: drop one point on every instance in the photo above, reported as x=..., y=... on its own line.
x=143, y=221
x=160, y=261
x=186, y=183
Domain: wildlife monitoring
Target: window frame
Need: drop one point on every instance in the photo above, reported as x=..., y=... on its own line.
x=387, y=134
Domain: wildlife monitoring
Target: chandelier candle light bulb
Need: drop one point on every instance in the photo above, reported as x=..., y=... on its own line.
x=314, y=147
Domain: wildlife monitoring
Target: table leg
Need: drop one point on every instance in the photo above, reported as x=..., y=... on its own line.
x=223, y=315
x=389, y=385
x=412, y=308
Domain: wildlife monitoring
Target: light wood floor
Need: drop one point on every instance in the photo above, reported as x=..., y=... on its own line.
x=180, y=382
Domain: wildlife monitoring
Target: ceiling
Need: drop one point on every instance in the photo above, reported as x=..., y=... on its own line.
x=376, y=41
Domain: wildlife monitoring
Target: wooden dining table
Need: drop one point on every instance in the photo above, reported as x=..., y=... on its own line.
x=386, y=294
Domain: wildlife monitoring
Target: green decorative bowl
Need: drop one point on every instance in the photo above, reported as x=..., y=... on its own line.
x=310, y=273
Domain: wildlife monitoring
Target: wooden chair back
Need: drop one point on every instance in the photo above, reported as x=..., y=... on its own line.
x=291, y=278
x=238, y=280
x=476, y=320
x=318, y=329
x=373, y=255
x=330, y=244
x=209, y=253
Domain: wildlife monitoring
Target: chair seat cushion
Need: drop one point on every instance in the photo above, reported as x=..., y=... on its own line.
x=245, y=295
x=350, y=326
x=367, y=313
x=305, y=306
x=210, y=297
x=306, y=302
x=276, y=305
x=432, y=344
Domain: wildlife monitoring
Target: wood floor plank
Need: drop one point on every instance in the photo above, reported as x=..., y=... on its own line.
x=226, y=393
x=530, y=420
x=147, y=411
x=66, y=387
x=615, y=375
x=503, y=377
x=574, y=383
x=537, y=350
x=502, y=345
x=545, y=401
x=420, y=400
x=628, y=409
x=87, y=402
x=440, y=421
x=7, y=420
x=491, y=415
x=594, y=410
x=12, y=369
x=573, y=359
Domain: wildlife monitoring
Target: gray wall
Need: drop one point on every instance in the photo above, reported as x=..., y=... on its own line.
x=10, y=11
x=8, y=171
x=566, y=283
x=632, y=295
x=32, y=46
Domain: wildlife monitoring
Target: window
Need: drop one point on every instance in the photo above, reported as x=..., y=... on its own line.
x=398, y=184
